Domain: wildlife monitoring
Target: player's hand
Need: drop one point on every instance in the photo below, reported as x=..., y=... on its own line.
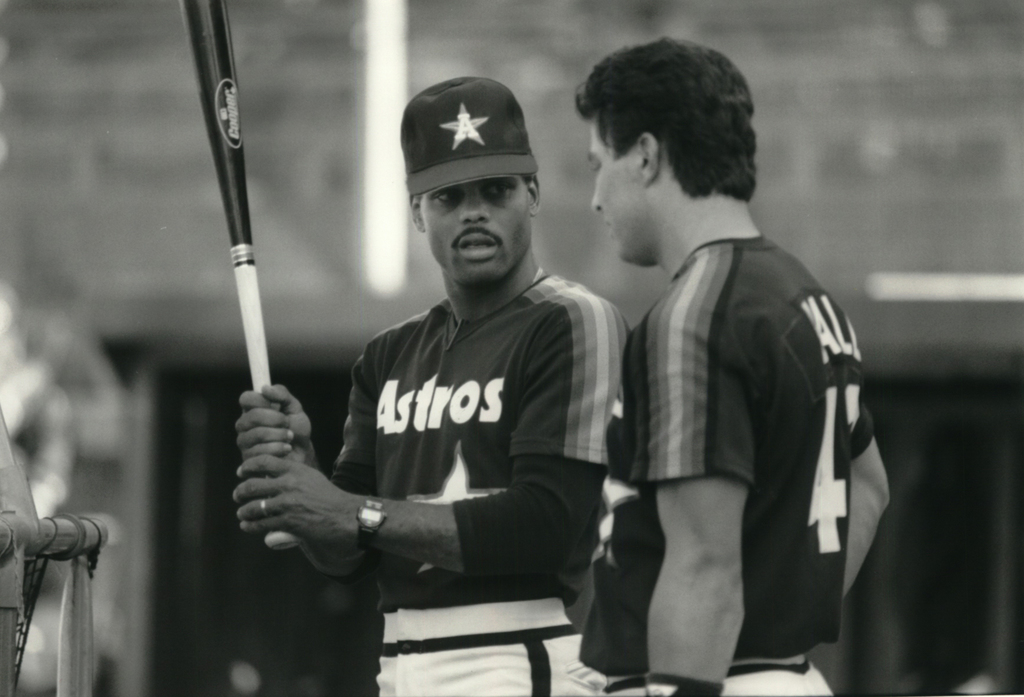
x=281, y=494
x=274, y=423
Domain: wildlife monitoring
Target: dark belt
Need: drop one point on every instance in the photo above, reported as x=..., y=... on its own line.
x=630, y=683
x=747, y=668
x=472, y=641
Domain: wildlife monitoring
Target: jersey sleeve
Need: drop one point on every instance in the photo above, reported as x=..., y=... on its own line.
x=698, y=412
x=701, y=422
x=360, y=432
x=569, y=380
x=354, y=468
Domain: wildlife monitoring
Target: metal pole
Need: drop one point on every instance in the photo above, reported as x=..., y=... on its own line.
x=12, y=566
x=8, y=633
x=74, y=657
x=18, y=513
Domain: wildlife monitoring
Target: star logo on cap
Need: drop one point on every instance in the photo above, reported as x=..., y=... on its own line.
x=465, y=127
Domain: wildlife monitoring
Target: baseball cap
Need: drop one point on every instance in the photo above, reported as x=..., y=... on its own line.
x=463, y=129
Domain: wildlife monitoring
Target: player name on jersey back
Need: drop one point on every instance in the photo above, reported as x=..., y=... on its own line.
x=817, y=307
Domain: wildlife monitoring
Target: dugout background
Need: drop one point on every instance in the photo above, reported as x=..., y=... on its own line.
x=937, y=609
x=890, y=139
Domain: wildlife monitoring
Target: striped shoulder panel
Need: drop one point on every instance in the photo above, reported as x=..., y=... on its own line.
x=680, y=374
x=598, y=339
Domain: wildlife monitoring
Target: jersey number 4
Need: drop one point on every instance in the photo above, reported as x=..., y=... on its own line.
x=828, y=500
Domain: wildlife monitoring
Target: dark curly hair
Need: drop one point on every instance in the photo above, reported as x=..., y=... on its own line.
x=691, y=98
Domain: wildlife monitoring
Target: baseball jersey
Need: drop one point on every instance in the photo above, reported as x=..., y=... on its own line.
x=439, y=409
x=746, y=368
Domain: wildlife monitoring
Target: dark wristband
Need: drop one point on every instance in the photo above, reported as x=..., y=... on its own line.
x=668, y=684
x=364, y=537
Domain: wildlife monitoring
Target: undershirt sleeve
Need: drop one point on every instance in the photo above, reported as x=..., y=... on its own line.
x=863, y=432
x=539, y=518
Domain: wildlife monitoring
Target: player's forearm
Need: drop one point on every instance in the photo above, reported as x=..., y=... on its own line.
x=694, y=621
x=869, y=495
x=538, y=520
x=697, y=608
x=421, y=531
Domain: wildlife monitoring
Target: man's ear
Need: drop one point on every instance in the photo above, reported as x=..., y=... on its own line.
x=533, y=189
x=417, y=214
x=650, y=151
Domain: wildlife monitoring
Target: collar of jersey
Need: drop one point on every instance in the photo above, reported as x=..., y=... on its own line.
x=456, y=329
x=741, y=241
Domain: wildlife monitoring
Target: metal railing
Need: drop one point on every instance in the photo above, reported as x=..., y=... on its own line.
x=27, y=543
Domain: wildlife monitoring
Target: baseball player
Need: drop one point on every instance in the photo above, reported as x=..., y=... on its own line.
x=474, y=448
x=745, y=484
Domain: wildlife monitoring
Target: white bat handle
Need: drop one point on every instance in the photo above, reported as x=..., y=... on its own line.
x=252, y=323
x=256, y=347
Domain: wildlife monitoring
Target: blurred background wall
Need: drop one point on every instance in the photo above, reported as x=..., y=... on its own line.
x=891, y=140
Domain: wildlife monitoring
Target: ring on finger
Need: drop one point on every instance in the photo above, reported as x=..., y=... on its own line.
x=263, y=507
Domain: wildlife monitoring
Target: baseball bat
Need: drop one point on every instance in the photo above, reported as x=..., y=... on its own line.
x=210, y=37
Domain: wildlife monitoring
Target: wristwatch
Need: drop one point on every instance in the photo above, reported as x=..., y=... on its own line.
x=370, y=516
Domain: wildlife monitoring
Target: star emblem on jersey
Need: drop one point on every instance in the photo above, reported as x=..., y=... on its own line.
x=465, y=127
x=455, y=488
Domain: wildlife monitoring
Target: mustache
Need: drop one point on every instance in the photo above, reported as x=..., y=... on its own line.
x=477, y=231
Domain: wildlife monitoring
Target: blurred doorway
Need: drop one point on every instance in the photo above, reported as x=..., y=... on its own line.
x=937, y=608
x=231, y=617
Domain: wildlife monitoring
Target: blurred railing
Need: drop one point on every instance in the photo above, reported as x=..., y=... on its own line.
x=27, y=543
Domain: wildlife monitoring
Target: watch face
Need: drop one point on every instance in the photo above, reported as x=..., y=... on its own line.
x=371, y=517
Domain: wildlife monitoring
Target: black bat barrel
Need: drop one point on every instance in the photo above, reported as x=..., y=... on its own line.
x=210, y=37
